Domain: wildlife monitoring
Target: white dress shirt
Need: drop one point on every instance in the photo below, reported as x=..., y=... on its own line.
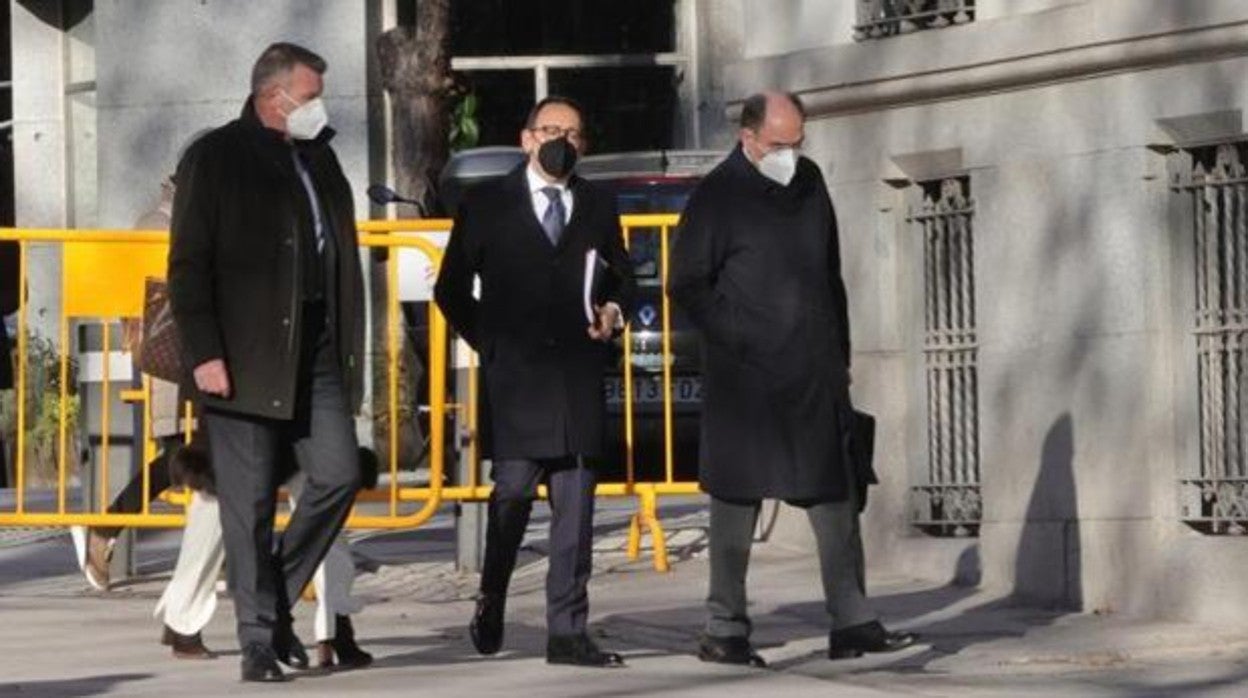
x=540, y=201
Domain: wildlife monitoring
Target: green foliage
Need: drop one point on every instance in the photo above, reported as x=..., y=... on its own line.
x=43, y=410
x=465, y=133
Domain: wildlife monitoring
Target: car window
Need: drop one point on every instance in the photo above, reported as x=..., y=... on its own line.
x=649, y=196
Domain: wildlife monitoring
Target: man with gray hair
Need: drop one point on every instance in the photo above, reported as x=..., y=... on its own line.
x=267, y=292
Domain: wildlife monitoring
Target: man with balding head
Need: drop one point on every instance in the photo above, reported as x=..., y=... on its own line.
x=756, y=267
x=267, y=292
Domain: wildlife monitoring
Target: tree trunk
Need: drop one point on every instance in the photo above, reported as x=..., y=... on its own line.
x=416, y=72
x=415, y=68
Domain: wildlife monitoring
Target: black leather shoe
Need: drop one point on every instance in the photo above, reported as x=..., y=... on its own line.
x=729, y=650
x=856, y=640
x=579, y=650
x=486, y=628
x=288, y=649
x=350, y=655
x=260, y=665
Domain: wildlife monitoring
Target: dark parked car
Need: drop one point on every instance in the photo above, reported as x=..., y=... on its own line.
x=651, y=182
x=654, y=182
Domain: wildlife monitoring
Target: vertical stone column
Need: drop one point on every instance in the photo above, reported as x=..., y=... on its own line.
x=41, y=197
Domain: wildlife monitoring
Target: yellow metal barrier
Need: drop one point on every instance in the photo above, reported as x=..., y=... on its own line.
x=91, y=295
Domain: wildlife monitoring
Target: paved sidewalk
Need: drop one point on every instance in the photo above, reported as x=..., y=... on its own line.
x=58, y=639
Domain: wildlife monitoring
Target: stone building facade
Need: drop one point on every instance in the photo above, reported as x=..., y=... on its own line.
x=1043, y=208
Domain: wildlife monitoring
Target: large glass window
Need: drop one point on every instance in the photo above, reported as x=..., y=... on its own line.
x=619, y=59
x=561, y=27
x=504, y=98
x=630, y=108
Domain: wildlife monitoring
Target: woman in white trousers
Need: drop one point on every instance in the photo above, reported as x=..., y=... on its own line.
x=190, y=598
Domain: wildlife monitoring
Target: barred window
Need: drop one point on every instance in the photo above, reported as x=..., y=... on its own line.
x=878, y=19
x=1214, y=490
x=948, y=502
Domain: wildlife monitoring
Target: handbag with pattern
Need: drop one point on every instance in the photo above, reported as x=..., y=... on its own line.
x=160, y=350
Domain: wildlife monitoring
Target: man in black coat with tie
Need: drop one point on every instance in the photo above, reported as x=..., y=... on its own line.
x=528, y=239
x=267, y=291
x=756, y=266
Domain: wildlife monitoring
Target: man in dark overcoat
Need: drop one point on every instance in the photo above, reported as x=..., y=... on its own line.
x=267, y=292
x=756, y=266
x=527, y=239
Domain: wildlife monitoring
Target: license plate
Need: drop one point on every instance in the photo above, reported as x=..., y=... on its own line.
x=686, y=390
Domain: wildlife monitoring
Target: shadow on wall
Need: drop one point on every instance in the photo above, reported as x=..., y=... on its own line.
x=1047, y=569
x=65, y=15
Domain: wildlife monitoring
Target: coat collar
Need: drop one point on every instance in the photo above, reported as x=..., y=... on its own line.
x=272, y=137
x=739, y=164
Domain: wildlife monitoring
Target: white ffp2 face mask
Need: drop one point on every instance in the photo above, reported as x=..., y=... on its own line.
x=306, y=121
x=779, y=165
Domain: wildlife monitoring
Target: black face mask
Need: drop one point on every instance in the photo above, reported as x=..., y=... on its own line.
x=557, y=157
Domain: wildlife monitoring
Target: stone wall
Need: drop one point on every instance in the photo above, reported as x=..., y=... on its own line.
x=1084, y=276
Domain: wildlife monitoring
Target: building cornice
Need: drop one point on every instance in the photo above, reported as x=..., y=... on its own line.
x=830, y=84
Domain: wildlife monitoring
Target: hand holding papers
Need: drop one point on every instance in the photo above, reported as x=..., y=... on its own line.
x=591, y=277
x=602, y=318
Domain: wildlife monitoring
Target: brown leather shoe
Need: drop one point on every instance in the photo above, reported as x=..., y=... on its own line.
x=187, y=646
x=99, y=554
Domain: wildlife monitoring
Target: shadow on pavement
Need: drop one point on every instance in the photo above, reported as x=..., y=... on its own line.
x=70, y=688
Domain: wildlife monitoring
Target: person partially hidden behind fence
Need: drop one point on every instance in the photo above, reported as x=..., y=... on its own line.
x=268, y=295
x=532, y=237
x=177, y=463
x=756, y=268
x=190, y=598
x=8, y=305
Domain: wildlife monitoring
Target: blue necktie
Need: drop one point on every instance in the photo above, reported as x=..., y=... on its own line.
x=552, y=220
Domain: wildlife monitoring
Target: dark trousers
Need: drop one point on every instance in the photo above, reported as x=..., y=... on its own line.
x=130, y=499
x=265, y=578
x=571, y=488
x=839, y=543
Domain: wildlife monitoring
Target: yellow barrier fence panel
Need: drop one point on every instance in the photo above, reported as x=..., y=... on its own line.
x=90, y=294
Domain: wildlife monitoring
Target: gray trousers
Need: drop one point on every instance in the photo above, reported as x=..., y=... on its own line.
x=266, y=578
x=839, y=543
x=571, y=488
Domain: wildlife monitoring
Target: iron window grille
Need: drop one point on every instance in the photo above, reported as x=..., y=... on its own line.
x=948, y=503
x=878, y=19
x=1214, y=493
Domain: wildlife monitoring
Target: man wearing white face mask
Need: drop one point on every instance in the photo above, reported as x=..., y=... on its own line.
x=266, y=289
x=756, y=267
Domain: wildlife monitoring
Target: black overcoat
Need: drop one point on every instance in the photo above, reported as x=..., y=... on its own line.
x=241, y=220
x=543, y=373
x=756, y=266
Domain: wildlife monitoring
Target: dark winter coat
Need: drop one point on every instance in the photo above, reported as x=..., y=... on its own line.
x=543, y=373
x=241, y=221
x=756, y=266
